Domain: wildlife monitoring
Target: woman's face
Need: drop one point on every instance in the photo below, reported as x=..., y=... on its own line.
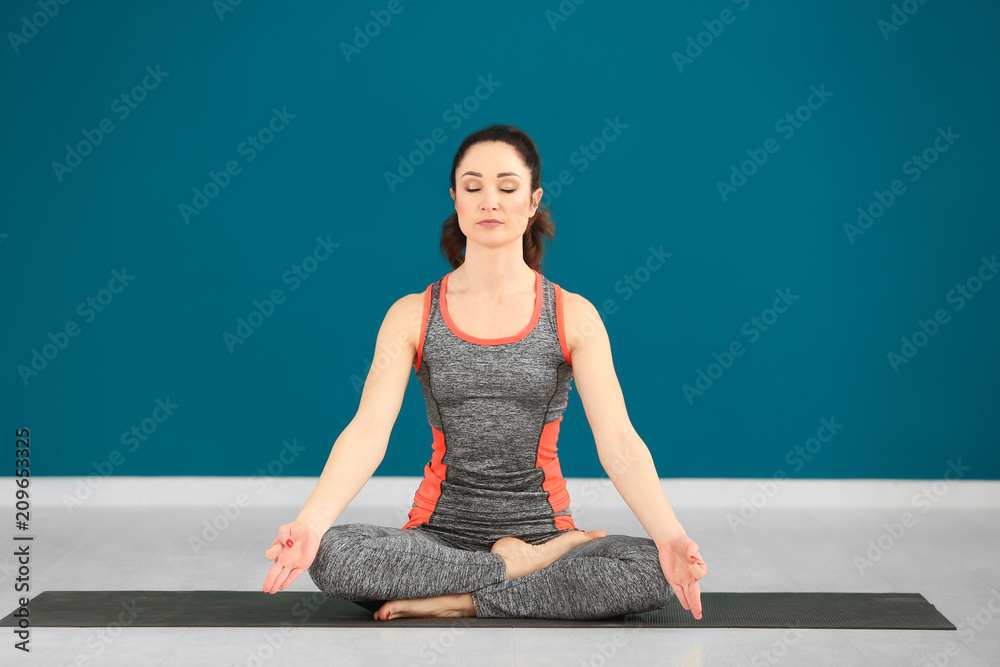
x=493, y=183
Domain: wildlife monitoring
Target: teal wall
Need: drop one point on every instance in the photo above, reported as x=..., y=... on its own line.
x=744, y=160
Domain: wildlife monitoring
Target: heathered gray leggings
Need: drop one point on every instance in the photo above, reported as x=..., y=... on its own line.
x=607, y=576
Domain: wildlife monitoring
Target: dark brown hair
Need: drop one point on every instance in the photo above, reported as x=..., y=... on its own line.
x=539, y=225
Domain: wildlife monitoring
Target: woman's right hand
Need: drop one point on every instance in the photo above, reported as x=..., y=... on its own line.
x=290, y=562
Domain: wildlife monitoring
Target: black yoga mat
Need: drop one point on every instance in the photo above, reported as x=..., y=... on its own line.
x=874, y=611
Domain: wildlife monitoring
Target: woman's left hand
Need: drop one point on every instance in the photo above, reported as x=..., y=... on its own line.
x=683, y=566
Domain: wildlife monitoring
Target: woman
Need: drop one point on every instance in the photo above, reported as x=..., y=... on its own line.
x=495, y=345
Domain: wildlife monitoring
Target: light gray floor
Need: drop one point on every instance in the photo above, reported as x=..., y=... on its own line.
x=950, y=556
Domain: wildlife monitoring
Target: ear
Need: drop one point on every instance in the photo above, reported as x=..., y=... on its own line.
x=536, y=196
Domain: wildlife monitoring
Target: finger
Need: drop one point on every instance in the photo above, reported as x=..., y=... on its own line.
x=275, y=550
x=292, y=576
x=681, y=596
x=272, y=575
x=279, y=578
x=279, y=542
x=278, y=572
x=694, y=596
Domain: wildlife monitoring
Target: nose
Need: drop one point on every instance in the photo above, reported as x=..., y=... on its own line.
x=489, y=201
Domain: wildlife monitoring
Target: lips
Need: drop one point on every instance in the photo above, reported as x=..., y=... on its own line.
x=491, y=221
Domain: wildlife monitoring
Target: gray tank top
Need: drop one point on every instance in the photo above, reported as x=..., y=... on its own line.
x=494, y=408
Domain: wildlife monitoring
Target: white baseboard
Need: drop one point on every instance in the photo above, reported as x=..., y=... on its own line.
x=120, y=491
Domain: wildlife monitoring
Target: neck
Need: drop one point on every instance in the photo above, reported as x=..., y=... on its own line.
x=491, y=272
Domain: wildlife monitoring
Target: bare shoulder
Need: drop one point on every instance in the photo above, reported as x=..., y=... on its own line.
x=404, y=321
x=409, y=305
x=580, y=319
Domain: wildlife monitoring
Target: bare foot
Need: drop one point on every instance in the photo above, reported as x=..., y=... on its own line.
x=523, y=558
x=443, y=605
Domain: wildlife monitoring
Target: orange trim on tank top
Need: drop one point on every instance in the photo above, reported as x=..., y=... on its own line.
x=423, y=327
x=554, y=483
x=429, y=491
x=442, y=300
x=561, y=324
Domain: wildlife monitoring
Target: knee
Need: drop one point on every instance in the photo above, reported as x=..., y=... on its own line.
x=652, y=588
x=340, y=538
x=660, y=591
x=335, y=549
x=347, y=534
x=637, y=571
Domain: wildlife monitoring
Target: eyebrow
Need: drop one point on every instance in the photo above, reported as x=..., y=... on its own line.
x=500, y=175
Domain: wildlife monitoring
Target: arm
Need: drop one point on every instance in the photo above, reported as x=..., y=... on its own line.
x=361, y=446
x=623, y=454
